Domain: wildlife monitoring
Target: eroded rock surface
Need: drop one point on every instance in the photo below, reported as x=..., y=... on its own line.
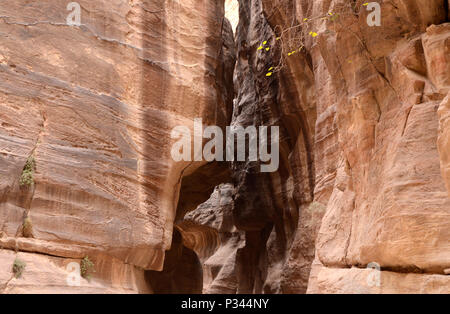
x=371, y=97
x=95, y=105
x=364, y=117
x=210, y=232
x=363, y=113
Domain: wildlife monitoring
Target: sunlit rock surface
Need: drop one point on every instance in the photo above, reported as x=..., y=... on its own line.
x=95, y=105
x=359, y=204
x=364, y=164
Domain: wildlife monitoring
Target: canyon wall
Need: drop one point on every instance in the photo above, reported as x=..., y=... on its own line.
x=360, y=202
x=380, y=144
x=94, y=105
x=361, y=196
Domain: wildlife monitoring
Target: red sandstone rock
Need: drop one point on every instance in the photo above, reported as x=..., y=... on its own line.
x=364, y=177
x=95, y=105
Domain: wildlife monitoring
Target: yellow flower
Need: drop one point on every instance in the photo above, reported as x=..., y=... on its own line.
x=265, y=42
x=270, y=69
x=278, y=38
x=260, y=47
x=366, y=4
x=313, y=34
x=305, y=19
x=269, y=74
x=267, y=49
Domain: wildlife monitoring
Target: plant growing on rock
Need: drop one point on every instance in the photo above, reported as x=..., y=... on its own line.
x=18, y=267
x=291, y=39
x=86, y=268
x=27, y=228
x=27, y=177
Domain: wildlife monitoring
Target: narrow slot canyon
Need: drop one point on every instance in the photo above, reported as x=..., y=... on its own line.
x=264, y=233
x=107, y=184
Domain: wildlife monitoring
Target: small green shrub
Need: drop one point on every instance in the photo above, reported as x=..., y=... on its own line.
x=18, y=267
x=86, y=268
x=27, y=228
x=26, y=179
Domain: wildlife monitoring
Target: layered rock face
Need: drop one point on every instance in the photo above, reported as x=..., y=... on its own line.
x=360, y=202
x=364, y=158
x=94, y=106
x=374, y=102
x=209, y=230
x=388, y=204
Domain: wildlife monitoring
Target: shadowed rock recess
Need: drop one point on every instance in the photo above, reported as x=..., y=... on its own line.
x=364, y=174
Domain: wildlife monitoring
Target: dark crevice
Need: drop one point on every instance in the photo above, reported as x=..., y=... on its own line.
x=411, y=269
x=446, y=9
x=182, y=272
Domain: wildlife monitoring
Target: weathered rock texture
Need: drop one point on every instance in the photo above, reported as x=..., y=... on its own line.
x=359, y=106
x=210, y=231
x=364, y=117
x=95, y=105
x=444, y=139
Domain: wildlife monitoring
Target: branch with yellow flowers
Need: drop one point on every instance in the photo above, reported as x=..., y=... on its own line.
x=291, y=40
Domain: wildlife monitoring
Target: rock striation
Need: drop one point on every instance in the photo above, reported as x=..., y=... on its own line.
x=360, y=202
x=380, y=170
x=94, y=106
x=361, y=196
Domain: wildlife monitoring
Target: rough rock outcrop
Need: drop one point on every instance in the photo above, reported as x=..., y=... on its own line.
x=360, y=202
x=95, y=105
x=375, y=94
x=363, y=112
x=252, y=254
x=210, y=232
x=48, y=274
x=444, y=139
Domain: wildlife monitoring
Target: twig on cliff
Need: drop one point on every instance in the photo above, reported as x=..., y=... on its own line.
x=291, y=40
